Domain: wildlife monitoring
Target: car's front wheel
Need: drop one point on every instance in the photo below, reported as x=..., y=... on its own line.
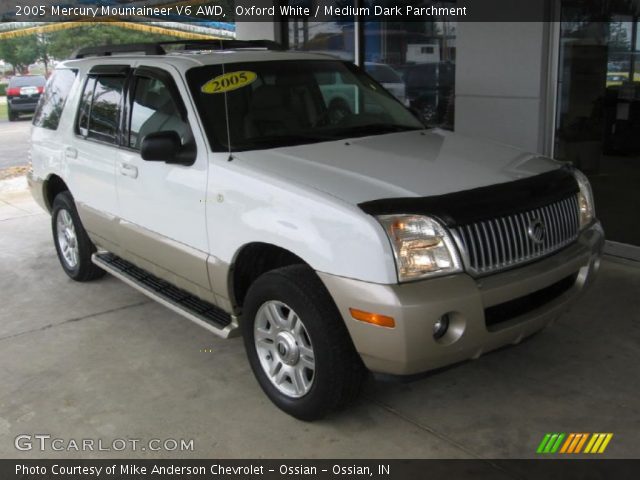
x=297, y=344
x=72, y=243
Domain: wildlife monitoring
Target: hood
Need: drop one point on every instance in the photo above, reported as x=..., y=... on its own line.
x=406, y=164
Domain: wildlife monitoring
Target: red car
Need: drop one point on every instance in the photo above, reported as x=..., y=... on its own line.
x=23, y=93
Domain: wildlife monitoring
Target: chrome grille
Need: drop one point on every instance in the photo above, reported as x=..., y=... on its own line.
x=499, y=243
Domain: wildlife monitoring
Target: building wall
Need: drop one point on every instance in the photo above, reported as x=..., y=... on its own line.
x=502, y=80
x=258, y=30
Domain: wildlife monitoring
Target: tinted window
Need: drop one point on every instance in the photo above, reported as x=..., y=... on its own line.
x=105, y=108
x=52, y=102
x=99, y=113
x=28, y=80
x=154, y=110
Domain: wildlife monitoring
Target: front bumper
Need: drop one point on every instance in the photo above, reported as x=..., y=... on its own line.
x=411, y=348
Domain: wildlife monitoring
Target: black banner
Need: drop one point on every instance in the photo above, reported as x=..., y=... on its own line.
x=311, y=10
x=318, y=469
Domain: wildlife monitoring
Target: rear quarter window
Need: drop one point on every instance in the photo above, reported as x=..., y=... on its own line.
x=52, y=102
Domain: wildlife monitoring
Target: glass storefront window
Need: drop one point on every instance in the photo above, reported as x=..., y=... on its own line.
x=335, y=36
x=415, y=61
x=598, y=111
x=423, y=56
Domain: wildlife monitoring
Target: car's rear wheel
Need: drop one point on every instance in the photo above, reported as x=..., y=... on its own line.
x=297, y=344
x=12, y=115
x=72, y=243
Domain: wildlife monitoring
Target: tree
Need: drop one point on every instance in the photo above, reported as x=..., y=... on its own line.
x=63, y=43
x=20, y=52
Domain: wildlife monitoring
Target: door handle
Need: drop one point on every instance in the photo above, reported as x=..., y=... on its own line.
x=70, y=152
x=128, y=170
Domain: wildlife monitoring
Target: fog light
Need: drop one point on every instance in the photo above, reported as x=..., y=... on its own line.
x=441, y=326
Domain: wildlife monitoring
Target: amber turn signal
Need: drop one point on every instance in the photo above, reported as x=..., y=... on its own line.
x=373, y=318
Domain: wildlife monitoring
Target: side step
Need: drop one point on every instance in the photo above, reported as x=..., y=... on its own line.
x=198, y=311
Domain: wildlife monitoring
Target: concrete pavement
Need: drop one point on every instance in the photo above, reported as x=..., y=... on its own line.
x=99, y=360
x=14, y=138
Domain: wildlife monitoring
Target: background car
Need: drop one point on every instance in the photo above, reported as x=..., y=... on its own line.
x=429, y=90
x=23, y=93
x=389, y=79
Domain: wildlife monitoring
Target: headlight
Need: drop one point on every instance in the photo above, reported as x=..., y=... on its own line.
x=422, y=247
x=585, y=199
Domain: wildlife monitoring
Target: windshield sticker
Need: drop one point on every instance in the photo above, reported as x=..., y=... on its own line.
x=229, y=81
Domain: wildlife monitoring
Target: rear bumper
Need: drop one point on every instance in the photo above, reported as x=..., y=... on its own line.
x=411, y=348
x=36, y=186
x=23, y=107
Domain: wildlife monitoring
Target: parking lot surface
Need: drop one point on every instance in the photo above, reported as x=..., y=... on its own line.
x=100, y=360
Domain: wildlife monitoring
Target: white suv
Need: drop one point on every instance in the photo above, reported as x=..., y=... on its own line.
x=216, y=178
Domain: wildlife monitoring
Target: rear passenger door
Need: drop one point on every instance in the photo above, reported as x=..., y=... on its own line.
x=162, y=205
x=90, y=153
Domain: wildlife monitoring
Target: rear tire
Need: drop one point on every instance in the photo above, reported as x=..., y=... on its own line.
x=12, y=116
x=303, y=358
x=72, y=243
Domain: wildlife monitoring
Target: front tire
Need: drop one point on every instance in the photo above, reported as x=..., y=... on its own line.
x=72, y=243
x=297, y=344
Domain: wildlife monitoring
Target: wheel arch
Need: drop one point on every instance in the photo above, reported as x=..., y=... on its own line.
x=53, y=185
x=252, y=260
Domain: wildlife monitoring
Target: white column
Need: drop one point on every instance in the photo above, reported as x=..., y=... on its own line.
x=258, y=30
x=502, y=82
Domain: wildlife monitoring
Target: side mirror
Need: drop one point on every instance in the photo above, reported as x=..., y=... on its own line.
x=166, y=147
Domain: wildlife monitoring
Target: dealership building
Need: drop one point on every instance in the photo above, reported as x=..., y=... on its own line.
x=565, y=85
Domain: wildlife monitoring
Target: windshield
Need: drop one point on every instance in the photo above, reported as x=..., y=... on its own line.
x=283, y=103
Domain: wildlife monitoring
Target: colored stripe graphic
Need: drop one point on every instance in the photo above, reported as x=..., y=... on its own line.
x=567, y=443
x=574, y=443
x=598, y=442
x=550, y=443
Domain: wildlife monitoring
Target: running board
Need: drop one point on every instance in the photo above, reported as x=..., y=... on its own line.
x=195, y=309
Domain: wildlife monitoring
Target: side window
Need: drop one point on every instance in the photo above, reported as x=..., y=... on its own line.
x=53, y=100
x=153, y=109
x=105, y=108
x=99, y=112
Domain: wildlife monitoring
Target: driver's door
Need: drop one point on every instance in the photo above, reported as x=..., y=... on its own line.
x=162, y=205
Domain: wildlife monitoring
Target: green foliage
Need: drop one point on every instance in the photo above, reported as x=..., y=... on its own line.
x=22, y=51
x=65, y=42
x=3, y=89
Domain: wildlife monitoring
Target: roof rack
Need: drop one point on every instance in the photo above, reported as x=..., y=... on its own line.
x=186, y=45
